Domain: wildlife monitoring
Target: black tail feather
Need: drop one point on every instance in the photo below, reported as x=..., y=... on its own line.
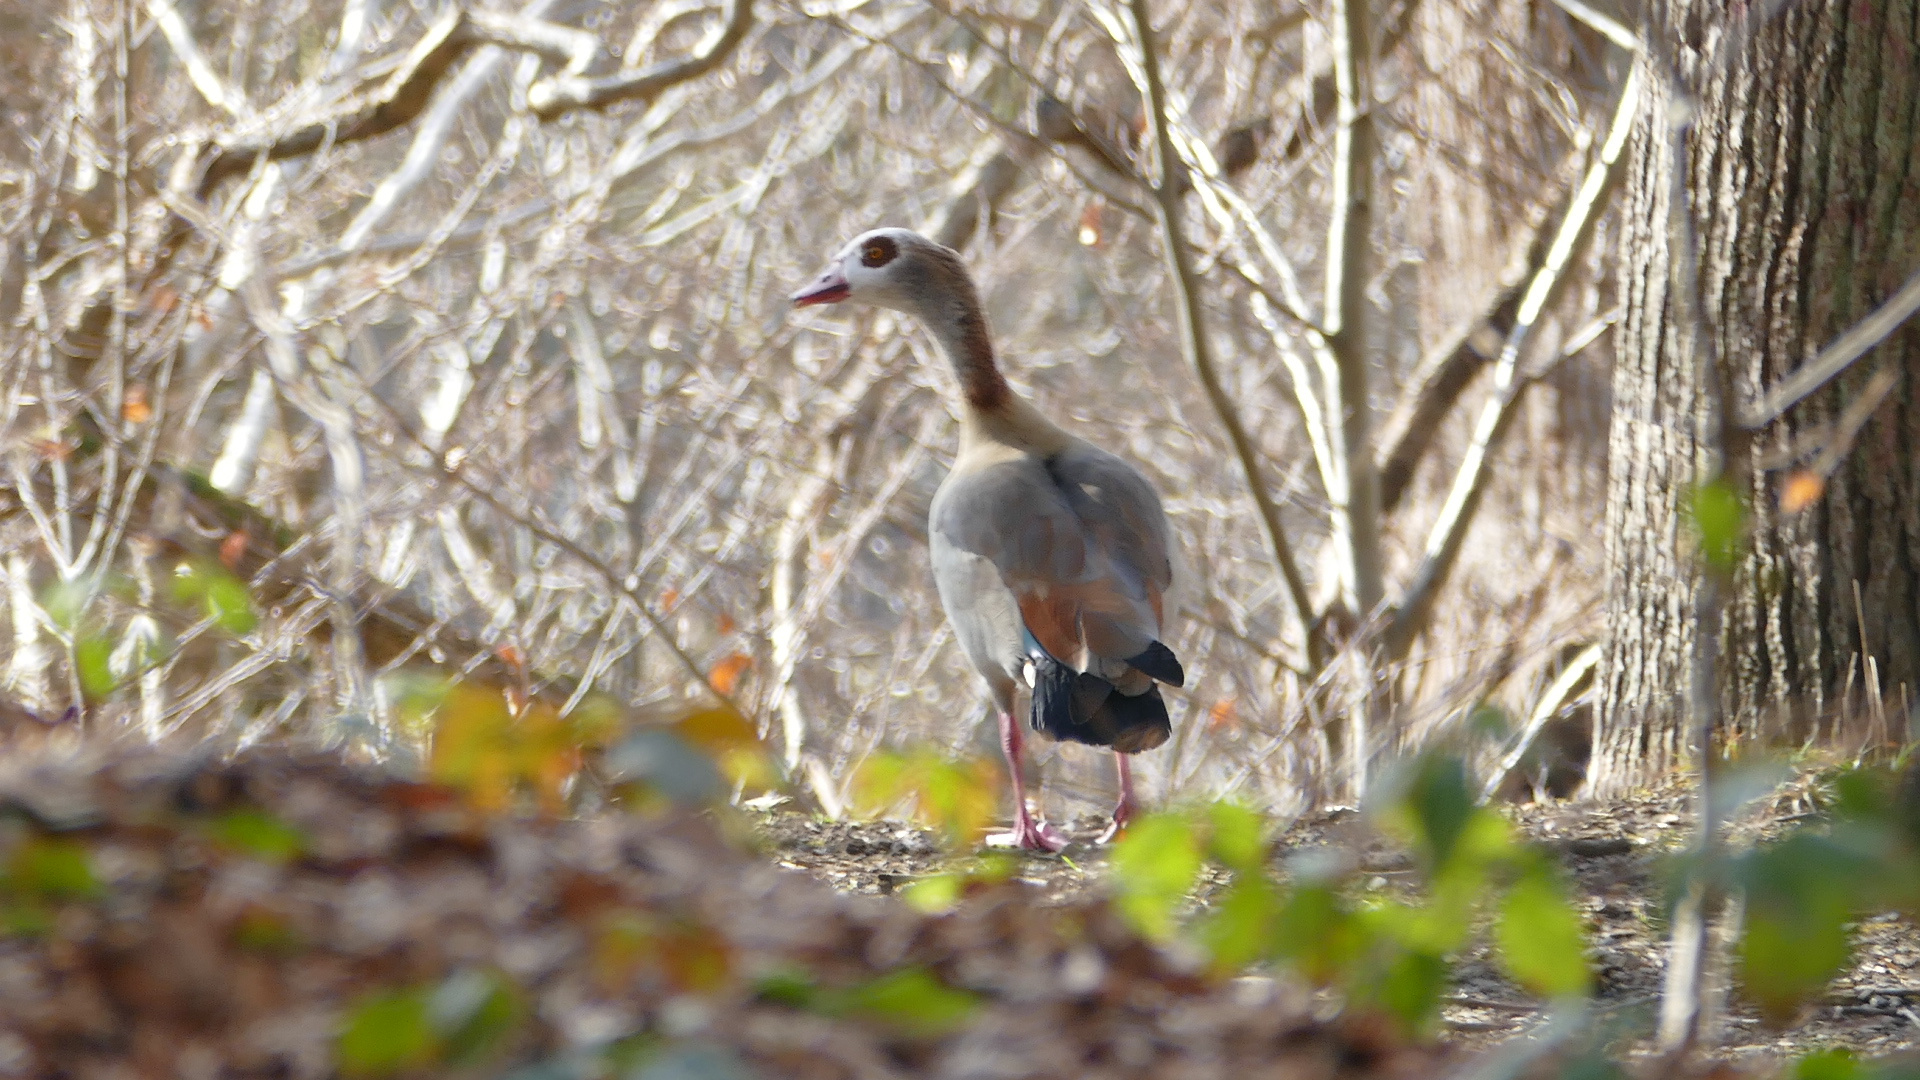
x=1084, y=708
x=1063, y=697
x=1139, y=722
x=1159, y=662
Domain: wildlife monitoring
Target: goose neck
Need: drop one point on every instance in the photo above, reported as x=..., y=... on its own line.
x=961, y=328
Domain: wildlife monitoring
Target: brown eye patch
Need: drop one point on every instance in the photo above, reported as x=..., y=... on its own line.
x=878, y=251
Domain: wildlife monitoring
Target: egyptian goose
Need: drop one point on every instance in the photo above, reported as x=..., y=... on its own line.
x=1051, y=555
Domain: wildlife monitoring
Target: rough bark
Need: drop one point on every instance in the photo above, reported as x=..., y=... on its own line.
x=1803, y=177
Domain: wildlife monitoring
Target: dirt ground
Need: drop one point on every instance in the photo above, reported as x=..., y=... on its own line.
x=1611, y=851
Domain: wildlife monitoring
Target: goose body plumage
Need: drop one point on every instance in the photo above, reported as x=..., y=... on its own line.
x=1052, y=556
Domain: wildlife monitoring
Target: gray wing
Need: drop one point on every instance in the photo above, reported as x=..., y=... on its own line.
x=1070, y=550
x=1121, y=514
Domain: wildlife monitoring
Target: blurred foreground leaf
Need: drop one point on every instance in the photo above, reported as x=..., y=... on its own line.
x=733, y=743
x=48, y=868
x=457, y=1022
x=1719, y=514
x=913, y=1000
x=1542, y=943
x=1155, y=865
x=260, y=835
x=1801, y=894
x=1434, y=806
x=471, y=1013
x=956, y=797
x=486, y=749
x=668, y=764
x=385, y=1034
x=93, y=661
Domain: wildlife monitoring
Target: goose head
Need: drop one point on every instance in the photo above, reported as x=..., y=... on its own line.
x=889, y=268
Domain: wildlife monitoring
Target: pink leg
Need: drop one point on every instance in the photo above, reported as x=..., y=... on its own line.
x=1122, y=810
x=1027, y=833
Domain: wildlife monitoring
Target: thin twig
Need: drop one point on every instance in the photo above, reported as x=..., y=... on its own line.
x=1199, y=351
x=1837, y=357
x=1609, y=27
x=1444, y=542
x=553, y=96
x=1549, y=705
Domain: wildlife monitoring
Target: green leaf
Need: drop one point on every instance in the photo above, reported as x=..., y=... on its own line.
x=787, y=986
x=26, y=919
x=912, y=999
x=472, y=1012
x=1801, y=893
x=260, y=835
x=219, y=595
x=1317, y=931
x=64, y=602
x=229, y=605
x=1720, y=514
x=1439, y=804
x=1239, y=930
x=1829, y=1065
x=1239, y=839
x=386, y=1033
x=52, y=869
x=1410, y=989
x=93, y=661
x=956, y=797
x=933, y=895
x=1540, y=938
x=1154, y=867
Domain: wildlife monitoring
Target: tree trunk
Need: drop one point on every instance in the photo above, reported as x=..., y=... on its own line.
x=1804, y=189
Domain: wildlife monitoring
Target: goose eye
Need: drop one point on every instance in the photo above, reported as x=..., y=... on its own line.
x=877, y=252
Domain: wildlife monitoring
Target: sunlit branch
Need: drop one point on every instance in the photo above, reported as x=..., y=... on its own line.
x=550, y=97
x=1837, y=357
x=199, y=72
x=1199, y=352
x=1456, y=515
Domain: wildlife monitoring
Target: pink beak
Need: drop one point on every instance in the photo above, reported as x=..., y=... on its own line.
x=829, y=288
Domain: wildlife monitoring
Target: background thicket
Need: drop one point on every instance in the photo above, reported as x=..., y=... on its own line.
x=356, y=306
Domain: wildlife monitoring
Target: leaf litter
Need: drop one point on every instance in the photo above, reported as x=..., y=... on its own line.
x=286, y=915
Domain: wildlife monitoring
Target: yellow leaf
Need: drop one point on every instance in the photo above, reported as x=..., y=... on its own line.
x=483, y=748
x=956, y=797
x=733, y=744
x=1223, y=716
x=726, y=674
x=1802, y=489
x=135, y=409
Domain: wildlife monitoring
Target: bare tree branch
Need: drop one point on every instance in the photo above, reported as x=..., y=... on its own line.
x=1450, y=366
x=978, y=193
x=1837, y=357
x=1193, y=334
x=405, y=93
x=1435, y=385
x=1349, y=268
x=199, y=72
x=1469, y=483
x=357, y=116
x=551, y=97
x=1609, y=27
x=1551, y=700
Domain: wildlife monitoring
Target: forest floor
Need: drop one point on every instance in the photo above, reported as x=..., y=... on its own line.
x=1613, y=852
